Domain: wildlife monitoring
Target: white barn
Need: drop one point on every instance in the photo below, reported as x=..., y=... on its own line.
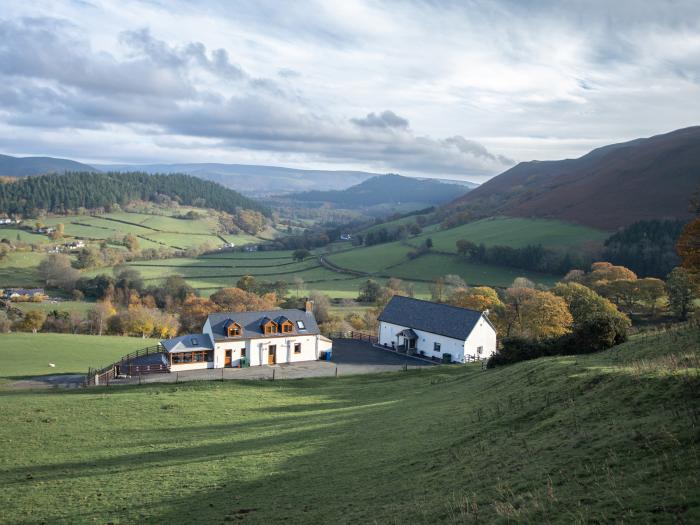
x=233, y=339
x=434, y=329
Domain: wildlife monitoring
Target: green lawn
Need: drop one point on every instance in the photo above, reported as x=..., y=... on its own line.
x=20, y=269
x=372, y=258
x=11, y=234
x=62, y=306
x=26, y=354
x=506, y=231
x=432, y=266
x=607, y=438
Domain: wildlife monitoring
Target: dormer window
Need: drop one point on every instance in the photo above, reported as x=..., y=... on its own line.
x=233, y=329
x=268, y=326
x=287, y=328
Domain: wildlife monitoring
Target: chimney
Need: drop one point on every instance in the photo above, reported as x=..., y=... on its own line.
x=309, y=306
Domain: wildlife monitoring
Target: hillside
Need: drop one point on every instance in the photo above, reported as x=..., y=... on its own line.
x=256, y=180
x=386, y=189
x=93, y=190
x=610, y=187
x=28, y=166
x=600, y=438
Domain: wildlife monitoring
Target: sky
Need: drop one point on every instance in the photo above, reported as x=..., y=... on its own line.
x=455, y=89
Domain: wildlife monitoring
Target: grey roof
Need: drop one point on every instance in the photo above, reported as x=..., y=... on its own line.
x=187, y=343
x=436, y=318
x=251, y=323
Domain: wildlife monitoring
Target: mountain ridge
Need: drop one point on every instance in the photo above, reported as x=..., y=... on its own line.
x=608, y=188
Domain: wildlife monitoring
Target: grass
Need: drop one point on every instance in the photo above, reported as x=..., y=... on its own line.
x=20, y=269
x=27, y=355
x=578, y=439
x=515, y=232
x=432, y=266
x=61, y=306
x=11, y=234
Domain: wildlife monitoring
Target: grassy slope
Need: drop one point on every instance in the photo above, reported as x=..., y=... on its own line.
x=506, y=231
x=24, y=354
x=20, y=269
x=602, y=438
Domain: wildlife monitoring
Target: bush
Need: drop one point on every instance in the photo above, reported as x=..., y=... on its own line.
x=446, y=358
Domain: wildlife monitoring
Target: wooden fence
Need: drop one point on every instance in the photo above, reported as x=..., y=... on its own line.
x=354, y=334
x=104, y=375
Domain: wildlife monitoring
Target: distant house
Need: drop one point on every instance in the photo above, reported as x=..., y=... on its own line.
x=345, y=237
x=249, y=339
x=251, y=248
x=435, y=329
x=75, y=245
x=24, y=294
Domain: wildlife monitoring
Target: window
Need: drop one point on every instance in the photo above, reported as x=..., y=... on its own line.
x=194, y=341
x=271, y=328
x=242, y=352
x=436, y=347
x=192, y=357
x=297, y=348
x=287, y=327
x=479, y=350
x=300, y=325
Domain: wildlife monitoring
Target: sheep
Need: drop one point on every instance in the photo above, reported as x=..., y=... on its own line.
x=52, y=365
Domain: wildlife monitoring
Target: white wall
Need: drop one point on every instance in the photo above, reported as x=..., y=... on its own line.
x=257, y=350
x=191, y=366
x=482, y=335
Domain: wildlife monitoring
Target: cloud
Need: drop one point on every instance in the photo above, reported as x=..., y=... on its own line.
x=386, y=119
x=419, y=87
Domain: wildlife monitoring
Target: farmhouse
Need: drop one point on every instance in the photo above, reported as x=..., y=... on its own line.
x=238, y=339
x=436, y=330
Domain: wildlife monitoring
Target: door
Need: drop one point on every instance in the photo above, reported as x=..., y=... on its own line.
x=227, y=358
x=271, y=354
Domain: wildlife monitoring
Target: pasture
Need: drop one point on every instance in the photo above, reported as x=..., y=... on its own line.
x=25, y=355
x=516, y=233
x=600, y=438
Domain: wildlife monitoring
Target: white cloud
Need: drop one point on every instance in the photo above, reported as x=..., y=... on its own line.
x=324, y=85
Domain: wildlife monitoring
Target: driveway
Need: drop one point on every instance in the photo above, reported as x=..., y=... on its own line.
x=349, y=357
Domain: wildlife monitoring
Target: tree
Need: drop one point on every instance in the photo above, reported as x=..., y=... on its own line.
x=237, y=300
x=369, y=291
x=437, y=290
x=57, y=233
x=479, y=298
x=194, y=312
x=5, y=323
x=247, y=283
x=301, y=254
x=298, y=284
x=56, y=271
x=465, y=247
x=453, y=282
x=602, y=272
x=545, y=315
x=32, y=321
x=99, y=314
x=131, y=242
x=428, y=243
x=688, y=248
x=651, y=291
x=322, y=306
x=681, y=292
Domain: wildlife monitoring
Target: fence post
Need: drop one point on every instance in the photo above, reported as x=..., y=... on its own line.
x=336, y=371
x=222, y=375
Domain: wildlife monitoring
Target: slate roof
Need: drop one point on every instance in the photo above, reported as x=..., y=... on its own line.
x=251, y=323
x=188, y=343
x=436, y=318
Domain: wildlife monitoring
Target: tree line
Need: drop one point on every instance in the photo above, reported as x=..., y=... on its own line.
x=74, y=190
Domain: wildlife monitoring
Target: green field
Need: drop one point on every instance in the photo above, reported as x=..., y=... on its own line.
x=432, y=266
x=12, y=233
x=606, y=438
x=25, y=355
x=514, y=232
x=19, y=269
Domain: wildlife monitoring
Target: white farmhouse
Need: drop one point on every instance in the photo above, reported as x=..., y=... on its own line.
x=435, y=329
x=234, y=339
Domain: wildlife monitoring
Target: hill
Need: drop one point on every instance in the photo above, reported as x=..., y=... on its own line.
x=608, y=188
x=93, y=190
x=256, y=180
x=29, y=166
x=386, y=189
x=599, y=438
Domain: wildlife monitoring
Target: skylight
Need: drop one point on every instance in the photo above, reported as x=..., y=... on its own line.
x=194, y=341
x=301, y=326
